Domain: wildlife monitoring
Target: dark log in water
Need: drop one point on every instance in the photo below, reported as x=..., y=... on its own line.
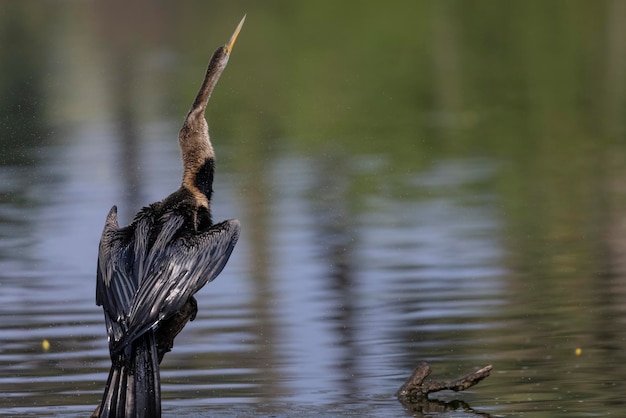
x=415, y=388
x=413, y=394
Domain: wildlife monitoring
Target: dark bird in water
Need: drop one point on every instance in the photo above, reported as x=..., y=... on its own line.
x=149, y=270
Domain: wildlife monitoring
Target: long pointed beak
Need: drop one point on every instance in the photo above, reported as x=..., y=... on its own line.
x=231, y=43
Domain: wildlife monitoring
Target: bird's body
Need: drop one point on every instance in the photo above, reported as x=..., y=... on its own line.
x=149, y=270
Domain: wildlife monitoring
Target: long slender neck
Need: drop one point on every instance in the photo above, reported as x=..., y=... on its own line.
x=195, y=144
x=213, y=72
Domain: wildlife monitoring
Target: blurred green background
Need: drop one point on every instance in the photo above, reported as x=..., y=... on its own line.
x=536, y=85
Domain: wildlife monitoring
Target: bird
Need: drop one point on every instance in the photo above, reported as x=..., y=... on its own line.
x=148, y=271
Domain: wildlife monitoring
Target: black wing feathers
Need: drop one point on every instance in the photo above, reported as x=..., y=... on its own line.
x=178, y=269
x=147, y=276
x=116, y=284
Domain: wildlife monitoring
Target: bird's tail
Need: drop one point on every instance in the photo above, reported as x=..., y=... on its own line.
x=134, y=386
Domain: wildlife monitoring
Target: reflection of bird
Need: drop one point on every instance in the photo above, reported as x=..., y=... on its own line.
x=149, y=270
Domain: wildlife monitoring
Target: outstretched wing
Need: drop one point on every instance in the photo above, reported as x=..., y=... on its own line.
x=115, y=284
x=175, y=270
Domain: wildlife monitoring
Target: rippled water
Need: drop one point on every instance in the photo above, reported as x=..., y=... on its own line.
x=321, y=309
x=463, y=205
